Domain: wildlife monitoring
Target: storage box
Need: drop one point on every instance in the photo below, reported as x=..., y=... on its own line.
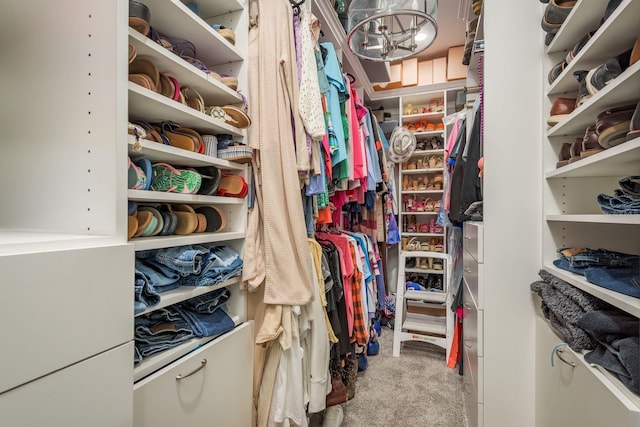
x=425, y=73
x=395, y=81
x=426, y=309
x=439, y=70
x=410, y=72
x=455, y=69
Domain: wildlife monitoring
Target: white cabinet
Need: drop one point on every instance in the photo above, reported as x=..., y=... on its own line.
x=203, y=381
x=571, y=392
x=473, y=322
x=209, y=386
x=96, y=392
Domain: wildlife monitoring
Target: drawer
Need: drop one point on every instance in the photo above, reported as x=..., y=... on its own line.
x=472, y=329
x=96, y=392
x=473, y=240
x=211, y=386
x=470, y=393
x=62, y=307
x=576, y=395
x=473, y=274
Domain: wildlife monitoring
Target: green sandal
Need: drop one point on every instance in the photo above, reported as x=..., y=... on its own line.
x=172, y=180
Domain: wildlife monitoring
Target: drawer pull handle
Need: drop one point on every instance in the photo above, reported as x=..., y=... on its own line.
x=467, y=306
x=559, y=353
x=467, y=343
x=467, y=237
x=467, y=270
x=202, y=365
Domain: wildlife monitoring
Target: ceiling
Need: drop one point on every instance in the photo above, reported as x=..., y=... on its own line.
x=451, y=29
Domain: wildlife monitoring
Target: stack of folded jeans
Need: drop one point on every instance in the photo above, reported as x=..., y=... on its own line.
x=203, y=316
x=625, y=200
x=618, y=344
x=616, y=271
x=563, y=305
x=161, y=270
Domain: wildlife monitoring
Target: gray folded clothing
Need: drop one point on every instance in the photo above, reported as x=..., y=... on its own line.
x=563, y=305
x=618, y=344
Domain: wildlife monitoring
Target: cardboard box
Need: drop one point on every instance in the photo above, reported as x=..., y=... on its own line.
x=439, y=70
x=425, y=73
x=395, y=81
x=455, y=69
x=426, y=309
x=410, y=72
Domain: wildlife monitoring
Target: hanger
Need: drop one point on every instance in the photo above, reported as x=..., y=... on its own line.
x=351, y=78
x=296, y=6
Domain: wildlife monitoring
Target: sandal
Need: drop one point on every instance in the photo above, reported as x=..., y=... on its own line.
x=216, y=220
x=428, y=205
x=430, y=127
x=233, y=186
x=432, y=162
x=439, y=162
x=187, y=219
x=172, y=180
x=436, y=206
x=437, y=182
x=413, y=245
x=137, y=180
x=439, y=126
x=412, y=228
x=192, y=98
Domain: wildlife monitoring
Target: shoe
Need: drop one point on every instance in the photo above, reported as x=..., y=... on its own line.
x=590, y=145
x=578, y=47
x=600, y=76
x=555, y=14
x=333, y=416
x=635, y=52
x=634, y=125
x=613, y=125
x=560, y=109
x=564, y=155
x=556, y=70
x=611, y=6
x=575, y=150
x=173, y=180
x=583, y=93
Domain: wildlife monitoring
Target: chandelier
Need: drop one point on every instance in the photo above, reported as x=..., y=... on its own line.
x=384, y=31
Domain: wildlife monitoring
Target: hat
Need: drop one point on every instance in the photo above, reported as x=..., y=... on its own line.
x=401, y=145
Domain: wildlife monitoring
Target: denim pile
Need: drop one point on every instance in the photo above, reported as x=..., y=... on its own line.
x=203, y=316
x=625, y=200
x=161, y=270
x=616, y=271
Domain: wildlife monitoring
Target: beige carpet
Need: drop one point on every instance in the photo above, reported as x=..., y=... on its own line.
x=413, y=390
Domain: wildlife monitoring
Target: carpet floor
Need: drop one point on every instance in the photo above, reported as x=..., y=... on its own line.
x=414, y=390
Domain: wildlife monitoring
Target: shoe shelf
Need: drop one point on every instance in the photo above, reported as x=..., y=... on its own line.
x=219, y=7
x=425, y=327
x=411, y=234
x=421, y=271
x=419, y=213
x=623, y=159
x=213, y=91
x=584, y=16
x=176, y=156
x=184, y=293
x=420, y=171
x=173, y=19
x=624, y=302
x=164, y=197
x=615, y=36
x=621, y=90
x=421, y=191
x=157, y=242
x=596, y=219
x=420, y=135
x=425, y=296
x=153, y=363
x=150, y=106
x=427, y=152
x=409, y=118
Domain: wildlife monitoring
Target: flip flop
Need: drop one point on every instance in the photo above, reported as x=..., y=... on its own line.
x=237, y=117
x=136, y=178
x=170, y=220
x=216, y=220
x=232, y=185
x=202, y=223
x=145, y=223
x=132, y=226
x=210, y=180
x=145, y=165
x=187, y=219
x=159, y=221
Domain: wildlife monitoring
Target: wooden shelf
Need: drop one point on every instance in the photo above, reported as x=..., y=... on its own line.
x=163, y=197
x=176, y=156
x=427, y=152
x=419, y=213
x=615, y=36
x=150, y=106
x=422, y=271
x=173, y=19
x=420, y=171
x=157, y=242
x=421, y=191
x=624, y=302
x=616, y=93
x=213, y=92
x=413, y=118
x=404, y=234
x=184, y=293
x=621, y=160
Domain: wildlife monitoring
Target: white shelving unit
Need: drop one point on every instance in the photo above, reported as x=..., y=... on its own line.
x=572, y=217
